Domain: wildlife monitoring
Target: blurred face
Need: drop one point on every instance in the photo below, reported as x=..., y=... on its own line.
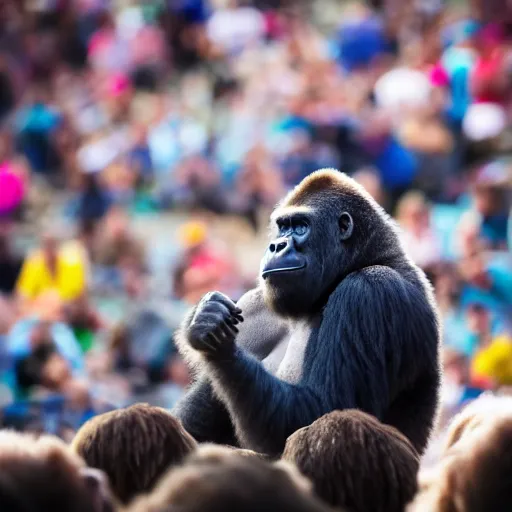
x=457, y=371
x=56, y=372
x=5, y=145
x=117, y=224
x=484, y=201
x=446, y=285
x=478, y=320
x=49, y=246
x=41, y=335
x=416, y=216
x=473, y=270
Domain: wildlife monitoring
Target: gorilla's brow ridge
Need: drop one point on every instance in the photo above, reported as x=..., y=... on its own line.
x=288, y=211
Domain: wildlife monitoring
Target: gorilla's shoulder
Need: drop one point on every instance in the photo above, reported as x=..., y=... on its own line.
x=380, y=275
x=385, y=285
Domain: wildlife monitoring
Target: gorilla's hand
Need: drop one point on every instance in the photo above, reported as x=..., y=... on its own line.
x=212, y=329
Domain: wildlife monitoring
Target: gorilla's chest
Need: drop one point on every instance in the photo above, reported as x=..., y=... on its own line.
x=287, y=358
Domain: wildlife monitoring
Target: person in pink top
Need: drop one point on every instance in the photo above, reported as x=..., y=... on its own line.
x=106, y=50
x=489, y=81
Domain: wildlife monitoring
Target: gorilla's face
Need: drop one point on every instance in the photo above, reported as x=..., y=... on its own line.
x=303, y=259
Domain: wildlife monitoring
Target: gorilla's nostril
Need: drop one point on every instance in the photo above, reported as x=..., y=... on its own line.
x=281, y=246
x=272, y=247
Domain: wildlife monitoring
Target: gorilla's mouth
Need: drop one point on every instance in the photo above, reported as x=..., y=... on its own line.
x=278, y=270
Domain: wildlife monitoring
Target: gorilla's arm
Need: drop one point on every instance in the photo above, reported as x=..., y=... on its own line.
x=357, y=358
x=202, y=414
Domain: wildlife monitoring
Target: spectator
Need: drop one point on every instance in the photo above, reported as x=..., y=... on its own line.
x=492, y=203
x=418, y=236
x=119, y=253
x=487, y=282
x=10, y=262
x=490, y=81
x=45, y=327
x=37, y=125
x=52, y=267
x=493, y=361
x=94, y=201
x=202, y=267
x=235, y=26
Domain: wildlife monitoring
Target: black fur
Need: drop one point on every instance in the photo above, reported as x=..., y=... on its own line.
x=356, y=328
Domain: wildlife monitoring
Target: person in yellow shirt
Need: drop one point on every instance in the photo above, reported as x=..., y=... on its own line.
x=62, y=268
x=494, y=361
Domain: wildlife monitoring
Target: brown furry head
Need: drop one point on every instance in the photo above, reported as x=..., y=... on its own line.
x=42, y=474
x=134, y=447
x=355, y=461
x=220, y=479
x=475, y=475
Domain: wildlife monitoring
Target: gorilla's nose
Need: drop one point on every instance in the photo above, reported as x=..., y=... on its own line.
x=279, y=245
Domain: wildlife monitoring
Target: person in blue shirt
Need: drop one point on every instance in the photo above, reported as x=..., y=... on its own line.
x=397, y=165
x=458, y=61
x=31, y=332
x=36, y=125
x=488, y=282
x=491, y=198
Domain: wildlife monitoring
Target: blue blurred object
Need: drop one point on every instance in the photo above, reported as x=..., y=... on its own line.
x=360, y=41
x=37, y=118
x=459, y=32
x=498, y=298
x=19, y=346
x=194, y=11
x=50, y=414
x=458, y=63
x=445, y=219
x=470, y=393
x=140, y=158
x=35, y=125
x=396, y=164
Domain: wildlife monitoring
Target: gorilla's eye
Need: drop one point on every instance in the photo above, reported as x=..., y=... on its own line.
x=301, y=229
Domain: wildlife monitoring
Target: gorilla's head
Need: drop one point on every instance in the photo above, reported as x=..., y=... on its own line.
x=326, y=228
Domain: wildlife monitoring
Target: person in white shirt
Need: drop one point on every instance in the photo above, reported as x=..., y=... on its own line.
x=420, y=240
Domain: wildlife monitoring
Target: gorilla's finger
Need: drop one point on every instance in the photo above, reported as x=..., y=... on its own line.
x=238, y=317
x=217, y=308
x=208, y=318
x=223, y=334
x=228, y=329
x=214, y=341
x=210, y=343
x=231, y=320
x=226, y=301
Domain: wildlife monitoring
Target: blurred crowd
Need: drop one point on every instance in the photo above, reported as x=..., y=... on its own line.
x=197, y=112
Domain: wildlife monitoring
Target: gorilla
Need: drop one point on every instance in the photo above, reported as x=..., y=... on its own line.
x=341, y=319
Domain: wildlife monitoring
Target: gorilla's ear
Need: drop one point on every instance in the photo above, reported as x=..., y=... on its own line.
x=346, y=225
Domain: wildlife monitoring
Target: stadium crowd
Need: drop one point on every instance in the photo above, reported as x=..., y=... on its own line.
x=142, y=145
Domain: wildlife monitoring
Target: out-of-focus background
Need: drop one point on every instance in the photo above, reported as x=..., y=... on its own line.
x=144, y=143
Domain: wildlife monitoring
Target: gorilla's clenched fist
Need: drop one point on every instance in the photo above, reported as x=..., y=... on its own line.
x=212, y=329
